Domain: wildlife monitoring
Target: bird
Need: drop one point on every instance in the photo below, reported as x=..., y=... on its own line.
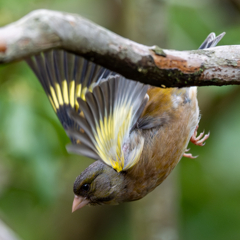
x=136, y=133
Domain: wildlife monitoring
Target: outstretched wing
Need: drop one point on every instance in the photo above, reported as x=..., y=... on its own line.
x=65, y=77
x=97, y=108
x=110, y=113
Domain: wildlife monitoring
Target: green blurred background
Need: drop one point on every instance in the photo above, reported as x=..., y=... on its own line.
x=200, y=200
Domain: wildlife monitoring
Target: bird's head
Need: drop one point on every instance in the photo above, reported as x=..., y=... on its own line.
x=98, y=184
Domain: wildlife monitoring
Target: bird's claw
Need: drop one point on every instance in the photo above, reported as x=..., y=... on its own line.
x=200, y=140
x=189, y=155
x=197, y=140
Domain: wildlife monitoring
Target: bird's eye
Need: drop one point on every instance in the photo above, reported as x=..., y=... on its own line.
x=85, y=187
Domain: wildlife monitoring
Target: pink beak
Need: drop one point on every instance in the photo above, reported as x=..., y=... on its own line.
x=79, y=202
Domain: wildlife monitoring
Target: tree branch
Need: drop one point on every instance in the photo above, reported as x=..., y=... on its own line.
x=44, y=29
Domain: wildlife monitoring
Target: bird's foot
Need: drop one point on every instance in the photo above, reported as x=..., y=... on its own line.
x=189, y=155
x=200, y=140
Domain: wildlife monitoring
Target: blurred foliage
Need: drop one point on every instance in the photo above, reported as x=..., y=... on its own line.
x=36, y=173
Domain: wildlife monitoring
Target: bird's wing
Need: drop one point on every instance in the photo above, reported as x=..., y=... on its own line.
x=65, y=77
x=110, y=113
x=97, y=108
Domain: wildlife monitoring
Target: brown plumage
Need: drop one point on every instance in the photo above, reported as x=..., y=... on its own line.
x=137, y=134
x=167, y=141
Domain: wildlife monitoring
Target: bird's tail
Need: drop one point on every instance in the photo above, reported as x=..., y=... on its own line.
x=211, y=40
x=65, y=77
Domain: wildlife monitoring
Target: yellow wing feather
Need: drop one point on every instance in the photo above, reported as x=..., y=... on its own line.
x=112, y=115
x=110, y=136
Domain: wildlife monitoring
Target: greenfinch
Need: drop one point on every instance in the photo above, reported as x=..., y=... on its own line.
x=136, y=133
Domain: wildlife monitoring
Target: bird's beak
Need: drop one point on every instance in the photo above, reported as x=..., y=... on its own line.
x=79, y=202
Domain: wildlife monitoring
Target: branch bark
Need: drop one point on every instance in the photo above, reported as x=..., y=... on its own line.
x=42, y=30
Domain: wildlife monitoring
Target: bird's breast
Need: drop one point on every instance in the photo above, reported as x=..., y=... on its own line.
x=165, y=144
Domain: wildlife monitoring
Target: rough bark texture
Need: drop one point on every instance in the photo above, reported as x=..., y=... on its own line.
x=44, y=29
